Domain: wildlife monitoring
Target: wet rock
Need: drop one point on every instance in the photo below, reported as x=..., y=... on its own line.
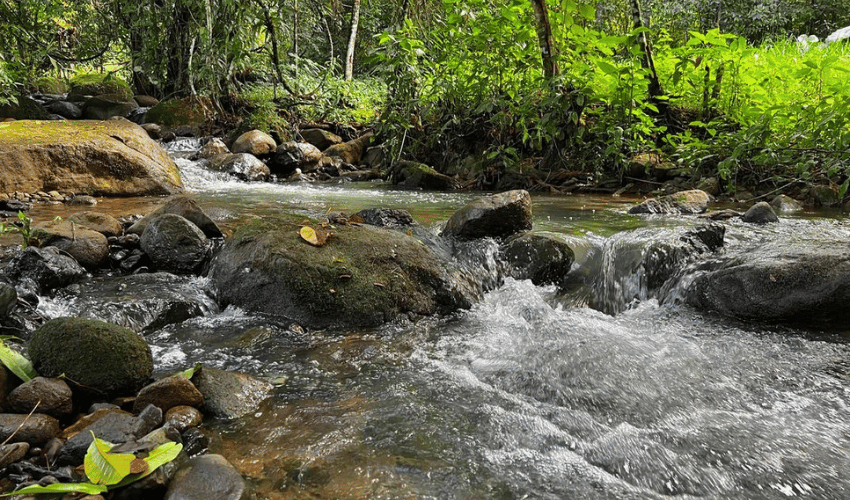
x=803, y=282
x=46, y=268
x=386, y=217
x=146, y=101
x=106, y=106
x=168, y=392
x=154, y=131
x=35, y=429
x=174, y=244
x=351, y=151
x=785, y=204
x=495, y=216
x=87, y=247
x=81, y=200
x=141, y=302
x=320, y=138
x=413, y=175
x=11, y=453
x=693, y=201
x=760, y=213
x=543, y=259
x=725, y=214
x=230, y=395
x=362, y=276
x=213, y=147
x=50, y=396
x=205, y=477
x=115, y=428
x=195, y=441
x=824, y=195
x=100, y=357
x=294, y=155
x=184, y=206
x=65, y=109
x=243, y=166
x=185, y=116
x=8, y=299
x=112, y=157
x=148, y=419
x=26, y=108
x=254, y=142
x=104, y=224
x=183, y=418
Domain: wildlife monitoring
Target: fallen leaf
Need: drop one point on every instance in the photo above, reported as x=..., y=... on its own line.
x=309, y=235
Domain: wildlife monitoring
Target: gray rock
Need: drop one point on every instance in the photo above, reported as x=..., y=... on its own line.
x=803, y=281
x=760, y=213
x=154, y=130
x=496, y=216
x=50, y=396
x=243, y=166
x=168, y=392
x=101, y=357
x=414, y=175
x=386, y=217
x=213, y=147
x=230, y=395
x=291, y=155
x=35, y=429
x=255, y=142
x=88, y=247
x=205, y=477
x=693, y=201
x=183, y=418
x=8, y=299
x=785, y=204
x=106, y=106
x=184, y=206
x=65, y=109
x=104, y=224
x=174, y=244
x=147, y=420
x=48, y=268
x=115, y=428
x=543, y=259
x=320, y=138
x=81, y=200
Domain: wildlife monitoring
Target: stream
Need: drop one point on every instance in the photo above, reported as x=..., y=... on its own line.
x=531, y=393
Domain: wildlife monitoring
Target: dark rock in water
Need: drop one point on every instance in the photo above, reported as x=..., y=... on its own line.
x=8, y=299
x=16, y=205
x=106, y=106
x=174, y=244
x=291, y=155
x=50, y=396
x=800, y=282
x=48, y=268
x=213, y=147
x=760, y=213
x=115, y=427
x=101, y=357
x=541, y=258
x=496, y=216
x=320, y=138
x=184, y=206
x=140, y=302
x=362, y=276
x=255, y=142
x=35, y=429
x=413, y=175
x=88, y=247
x=205, y=477
x=195, y=441
x=229, y=395
x=82, y=200
x=26, y=108
x=243, y=166
x=104, y=224
x=664, y=259
x=11, y=453
x=785, y=204
x=66, y=109
x=693, y=201
x=183, y=418
x=168, y=392
x=386, y=217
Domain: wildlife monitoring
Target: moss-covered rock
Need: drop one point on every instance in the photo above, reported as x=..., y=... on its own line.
x=25, y=109
x=362, y=276
x=414, y=175
x=693, y=201
x=92, y=84
x=105, y=106
x=189, y=113
x=111, y=158
x=98, y=356
x=51, y=85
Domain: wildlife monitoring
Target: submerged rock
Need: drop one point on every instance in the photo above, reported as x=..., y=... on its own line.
x=760, y=213
x=229, y=395
x=495, y=216
x=362, y=275
x=174, y=244
x=693, y=201
x=543, y=259
x=100, y=357
x=112, y=158
x=801, y=282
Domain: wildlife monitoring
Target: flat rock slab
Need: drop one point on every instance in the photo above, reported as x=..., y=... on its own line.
x=102, y=158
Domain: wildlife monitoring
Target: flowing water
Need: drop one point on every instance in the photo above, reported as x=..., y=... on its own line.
x=531, y=393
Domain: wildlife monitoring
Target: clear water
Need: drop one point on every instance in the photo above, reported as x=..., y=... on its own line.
x=529, y=394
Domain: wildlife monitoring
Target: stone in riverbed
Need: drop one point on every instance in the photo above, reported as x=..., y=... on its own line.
x=174, y=244
x=543, y=259
x=105, y=106
x=184, y=206
x=88, y=247
x=50, y=396
x=115, y=427
x=229, y=395
x=205, y=477
x=46, y=268
x=255, y=142
x=243, y=166
x=320, y=138
x=168, y=392
x=351, y=151
x=35, y=429
x=213, y=147
x=104, y=224
x=496, y=216
x=100, y=357
x=414, y=175
x=8, y=299
x=693, y=201
x=183, y=418
x=760, y=213
x=291, y=155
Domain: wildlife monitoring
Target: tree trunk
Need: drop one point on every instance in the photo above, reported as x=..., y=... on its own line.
x=545, y=39
x=352, y=40
x=647, y=61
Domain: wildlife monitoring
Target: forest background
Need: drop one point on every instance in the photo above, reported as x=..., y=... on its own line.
x=500, y=93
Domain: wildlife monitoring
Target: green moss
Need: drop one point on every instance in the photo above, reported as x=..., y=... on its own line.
x=97, y=84
x=191, y=111
x=51, y=85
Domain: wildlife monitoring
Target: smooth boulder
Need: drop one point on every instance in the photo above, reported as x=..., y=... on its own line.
x=88, y=247
x=104, y=224
x=294, y=155
x=255, y=142
x=243, y=166
x=174, y=244
x=109, y=158
x=184, y=206
x=760, y=213
x=496, y=216
x=361, y=276
x=207, y=477
x=693, y=201
x=543, y=259
x=229, y=395
x=100, y=357
x=46, y=268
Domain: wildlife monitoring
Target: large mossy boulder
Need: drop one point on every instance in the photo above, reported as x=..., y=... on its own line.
x=186, y=115
x=108, y=158
x=87, y=85
x=801, y=282
x=100, y=357
x=362, y=276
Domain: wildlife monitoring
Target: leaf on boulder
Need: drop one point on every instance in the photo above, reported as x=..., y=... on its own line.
x=190, y=372
x=17, y=363
x=103, y=467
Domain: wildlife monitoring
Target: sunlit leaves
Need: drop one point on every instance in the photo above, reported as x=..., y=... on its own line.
x=16, y=362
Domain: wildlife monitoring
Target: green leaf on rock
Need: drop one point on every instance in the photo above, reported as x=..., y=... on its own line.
x=106, y=468
x=190, y=372
x=35, y=489
x=17, y=363
x=158, y=457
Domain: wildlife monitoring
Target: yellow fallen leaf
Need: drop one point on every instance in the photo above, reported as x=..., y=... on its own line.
x=308, y=234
